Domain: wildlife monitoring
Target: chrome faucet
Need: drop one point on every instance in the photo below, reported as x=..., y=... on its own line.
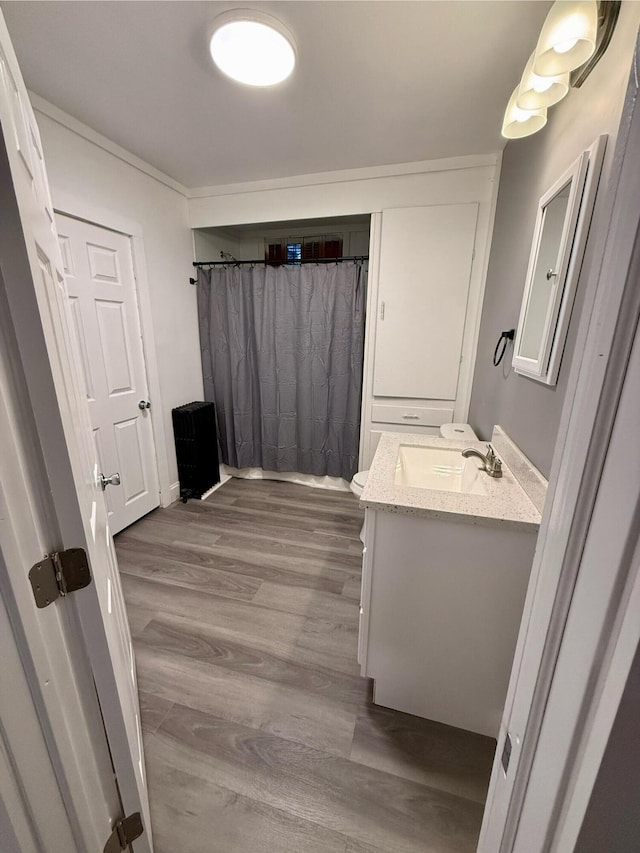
x=492, y=465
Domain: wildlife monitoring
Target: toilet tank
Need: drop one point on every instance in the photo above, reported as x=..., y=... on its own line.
x=462, y=432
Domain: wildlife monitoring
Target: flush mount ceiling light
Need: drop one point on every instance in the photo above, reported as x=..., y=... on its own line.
x=518, y=123
x=252, y=48
x=568, y=37
x=536, y=92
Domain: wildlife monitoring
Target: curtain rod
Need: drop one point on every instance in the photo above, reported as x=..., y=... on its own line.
x=235, y=263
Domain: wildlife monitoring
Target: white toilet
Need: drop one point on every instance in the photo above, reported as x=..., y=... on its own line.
x=357, y=487
x=462, y=432
x=359, y=482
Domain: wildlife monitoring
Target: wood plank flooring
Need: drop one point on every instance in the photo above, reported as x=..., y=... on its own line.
x=260, y=734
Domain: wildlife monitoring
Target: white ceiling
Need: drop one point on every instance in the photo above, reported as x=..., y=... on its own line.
x=376, y=82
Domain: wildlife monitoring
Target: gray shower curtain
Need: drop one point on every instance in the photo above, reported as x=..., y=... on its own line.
x=282, y=353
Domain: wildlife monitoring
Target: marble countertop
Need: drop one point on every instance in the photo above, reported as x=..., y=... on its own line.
x=505, y=504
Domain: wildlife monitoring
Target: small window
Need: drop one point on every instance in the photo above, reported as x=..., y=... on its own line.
x=275, y=253
x=294, y=253
x=291, y=250
x=325, y=246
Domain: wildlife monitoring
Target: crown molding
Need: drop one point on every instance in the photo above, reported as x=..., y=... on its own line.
x=45, y=107
x=366, y=173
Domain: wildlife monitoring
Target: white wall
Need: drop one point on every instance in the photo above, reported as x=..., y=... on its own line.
x=359, y=191
x=208, y=245
x=82, y=170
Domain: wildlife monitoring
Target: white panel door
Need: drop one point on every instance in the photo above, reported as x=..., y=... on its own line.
x=425, y=270
x=40, y=313
x=102, y=290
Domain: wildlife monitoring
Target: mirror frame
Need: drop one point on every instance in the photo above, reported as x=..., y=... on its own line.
x=583, y=176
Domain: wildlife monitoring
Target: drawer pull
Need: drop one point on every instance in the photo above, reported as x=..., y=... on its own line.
x=411, y=417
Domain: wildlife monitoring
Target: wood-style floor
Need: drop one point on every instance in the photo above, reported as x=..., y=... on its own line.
x=260, y=735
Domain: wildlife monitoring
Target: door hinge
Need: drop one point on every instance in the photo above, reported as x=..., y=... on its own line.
x=124, y=832
x=59, y=574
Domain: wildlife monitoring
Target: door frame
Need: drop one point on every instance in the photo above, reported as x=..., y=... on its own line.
x=52, y=501
x=67, y=204
x=33, y=808
x=49, y=642
x=566, y=683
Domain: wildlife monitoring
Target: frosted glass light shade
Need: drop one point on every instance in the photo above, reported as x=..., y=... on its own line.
x=568, y=37
x=252, y=48
x=518, y=123
x=536, y=92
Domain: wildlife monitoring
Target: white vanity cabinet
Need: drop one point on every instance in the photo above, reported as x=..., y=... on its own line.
x=440, y=612
x=419, y=320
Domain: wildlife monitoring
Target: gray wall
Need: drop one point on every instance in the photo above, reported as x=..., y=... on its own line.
x=612, y=820
x=530, y=411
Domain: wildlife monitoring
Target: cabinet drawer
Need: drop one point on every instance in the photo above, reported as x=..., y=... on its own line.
x=411, y=415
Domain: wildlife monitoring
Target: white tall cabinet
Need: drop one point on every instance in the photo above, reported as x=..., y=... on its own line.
x=421, y=282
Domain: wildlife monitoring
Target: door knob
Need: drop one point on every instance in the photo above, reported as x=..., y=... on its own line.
x=113, y=480
x=144, y=404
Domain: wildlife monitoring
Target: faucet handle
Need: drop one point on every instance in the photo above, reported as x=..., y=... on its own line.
x=494, y=464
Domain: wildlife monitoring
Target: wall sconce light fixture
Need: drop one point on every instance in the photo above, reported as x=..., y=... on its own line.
x=535, y=91
x=568, y=37
x=574, y=36
x=518, y=122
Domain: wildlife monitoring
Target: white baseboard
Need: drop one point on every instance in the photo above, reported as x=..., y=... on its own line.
x=334, y=483
x=223, y=479
x=174, y=489
x=226, y=473
x=174, y=493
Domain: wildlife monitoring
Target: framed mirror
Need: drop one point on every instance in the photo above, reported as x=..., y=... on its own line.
x=559, y=237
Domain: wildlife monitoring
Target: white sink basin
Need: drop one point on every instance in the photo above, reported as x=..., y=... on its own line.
x=441, y=468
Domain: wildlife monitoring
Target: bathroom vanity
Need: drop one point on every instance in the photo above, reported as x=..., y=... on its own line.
x=446, y=563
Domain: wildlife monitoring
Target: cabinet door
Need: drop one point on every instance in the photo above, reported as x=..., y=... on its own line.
x=425, y=269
